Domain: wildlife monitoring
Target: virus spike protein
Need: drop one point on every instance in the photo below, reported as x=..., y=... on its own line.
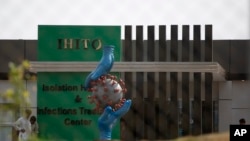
x=107, y=91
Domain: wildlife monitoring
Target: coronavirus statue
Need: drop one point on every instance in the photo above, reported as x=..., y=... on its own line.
x=105, y=88
x=107, y=93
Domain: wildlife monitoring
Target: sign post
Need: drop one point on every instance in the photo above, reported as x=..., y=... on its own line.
x=63, y=110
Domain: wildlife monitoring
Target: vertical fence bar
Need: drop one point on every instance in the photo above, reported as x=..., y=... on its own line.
x=208, y=104
x=151, y=44
x=139, y=104
x=127, y=47
x=173, y=84
x=130, y=124
x=155, y=118
x=150, y=113
x=185, y=82
x=162, y=107
x=139, y=43
x=197, y=105
x=162, y=43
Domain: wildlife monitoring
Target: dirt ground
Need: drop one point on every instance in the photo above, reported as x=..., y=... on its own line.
x=210, y=137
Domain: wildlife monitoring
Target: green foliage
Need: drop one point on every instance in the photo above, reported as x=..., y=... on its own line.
x=17, y=93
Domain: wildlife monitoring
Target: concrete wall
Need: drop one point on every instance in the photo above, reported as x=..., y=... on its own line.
x=234, y=103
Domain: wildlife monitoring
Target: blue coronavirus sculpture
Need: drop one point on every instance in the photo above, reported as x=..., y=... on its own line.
x=104, y=66
x=107, y=93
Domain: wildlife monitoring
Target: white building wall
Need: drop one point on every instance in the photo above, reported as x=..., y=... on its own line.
x=32, y=88
x=225, y=105
x=240, y=101
x=234, y=103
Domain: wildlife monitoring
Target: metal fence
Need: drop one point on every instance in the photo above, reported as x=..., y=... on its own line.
x=168, y=104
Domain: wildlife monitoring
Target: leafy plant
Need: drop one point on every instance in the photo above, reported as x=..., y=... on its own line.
x=17, y=93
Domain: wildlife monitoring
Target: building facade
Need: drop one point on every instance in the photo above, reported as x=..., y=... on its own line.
x=199, y=87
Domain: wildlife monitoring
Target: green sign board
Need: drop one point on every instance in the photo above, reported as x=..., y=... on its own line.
x=63, y=110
